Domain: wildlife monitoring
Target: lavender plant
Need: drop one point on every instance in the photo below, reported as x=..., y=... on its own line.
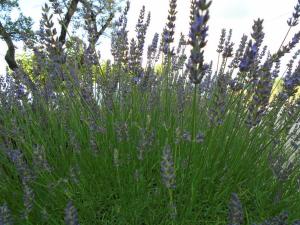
x=83, y=133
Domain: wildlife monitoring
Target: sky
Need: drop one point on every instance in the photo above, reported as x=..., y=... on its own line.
x=235, y=14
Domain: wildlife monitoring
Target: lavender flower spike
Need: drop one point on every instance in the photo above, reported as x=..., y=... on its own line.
x=235, y=210
x=249, y=57
x=258, y=34
x=167, y=168
x=5, y=215
x=222, y=41
x=198, y=34
x=169, y=30
x=292, y=81
x=293, y=21
x=71, y=217
x=152, y=49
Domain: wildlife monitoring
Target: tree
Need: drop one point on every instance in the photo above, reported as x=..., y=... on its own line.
x=98, y=16
x=65, y=20
x=10, y=30
x=95, y=16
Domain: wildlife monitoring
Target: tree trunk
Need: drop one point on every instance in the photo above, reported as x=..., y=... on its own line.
x=100, y=32
x=10, y=54
x=65, y=23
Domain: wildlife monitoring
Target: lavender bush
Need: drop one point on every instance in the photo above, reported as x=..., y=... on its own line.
x=86, y=142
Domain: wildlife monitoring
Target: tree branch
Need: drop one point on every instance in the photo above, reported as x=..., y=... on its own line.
x=104, y=27
x=93, y=23
x=101, y=31
x=18, y=74
x=65, y=23
x=10, y=54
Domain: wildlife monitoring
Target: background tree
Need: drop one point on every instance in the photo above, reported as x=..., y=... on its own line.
x=98, y=16
x=92, y=16
x=13, y=30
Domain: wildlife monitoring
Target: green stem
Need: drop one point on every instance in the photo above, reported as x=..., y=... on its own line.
x=194, y=112
x=218, y=63
x=193, y=127
x=166, y=72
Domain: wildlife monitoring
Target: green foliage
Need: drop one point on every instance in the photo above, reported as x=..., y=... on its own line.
x=7, y=6
x=91, y=144
x=107, y=162
x=26, y=61
x=19, y=28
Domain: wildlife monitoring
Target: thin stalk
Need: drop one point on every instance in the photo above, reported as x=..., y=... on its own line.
x=171, y=202
x=218, y=63
x=166, y=72
x=193, y=126
x=287, y=33
x=194, y=112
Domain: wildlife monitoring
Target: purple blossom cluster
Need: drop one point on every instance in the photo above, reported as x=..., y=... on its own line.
x=197, y=35
x=167, y=168
x=169, y=30
x=293, y=21
x=71, y=217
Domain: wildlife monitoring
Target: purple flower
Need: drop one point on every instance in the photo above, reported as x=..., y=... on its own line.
x=198, y=22
x=258, y=34
x=287, y=48
x=167, y=168
x=199, y=137
x=235, y=85
x=18, y=160
x=20, y=92
x=198, y=34
x=293, y=21
x=152, y=49
x=168, y=32
x=119, y=41
x=141, y=29
x=239, y=52
x=222, y=41
x=281, y=219
x=292, y=81
x=228, y=46
x=294, y=41
x=28, y=199
x=236, y=216
x=5, y=215
x=217, y=109
x=136, y=80
x=71, y=217
x=263, y=84
x=228, y=50
x=249, y=57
